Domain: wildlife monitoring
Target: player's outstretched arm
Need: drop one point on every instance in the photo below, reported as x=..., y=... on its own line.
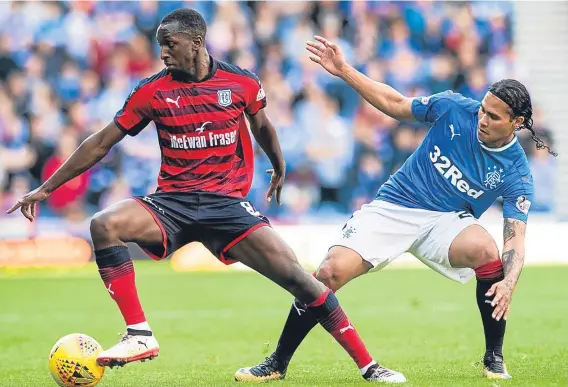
x=265, y=134
x=513, y=260
x=380, y=95
x=91, y=151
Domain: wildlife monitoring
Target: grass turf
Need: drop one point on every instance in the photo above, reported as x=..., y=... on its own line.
x=210, y=324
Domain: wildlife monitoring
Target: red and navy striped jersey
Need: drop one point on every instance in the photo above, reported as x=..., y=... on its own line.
x=202, y=130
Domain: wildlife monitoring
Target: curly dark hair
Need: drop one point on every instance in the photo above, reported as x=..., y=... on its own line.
x=516, y=96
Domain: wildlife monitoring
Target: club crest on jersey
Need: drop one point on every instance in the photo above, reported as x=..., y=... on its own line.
x=493, y=177
x=224, y=97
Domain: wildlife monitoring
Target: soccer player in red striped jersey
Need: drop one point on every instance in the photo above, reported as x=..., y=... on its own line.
x=200, y=107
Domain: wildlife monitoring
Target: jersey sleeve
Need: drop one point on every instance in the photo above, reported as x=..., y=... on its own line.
x=518, y=196
x=135, y=115
x=256, y=96
x=431, y=109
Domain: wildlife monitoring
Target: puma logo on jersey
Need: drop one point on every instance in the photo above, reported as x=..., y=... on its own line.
x=453, y=132
x=451, y=173
x=169, y=100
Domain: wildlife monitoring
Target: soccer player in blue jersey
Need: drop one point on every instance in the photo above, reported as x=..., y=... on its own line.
x=430, y=206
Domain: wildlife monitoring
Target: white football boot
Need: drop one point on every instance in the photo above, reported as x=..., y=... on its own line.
x=378, y=373
x=130, y=348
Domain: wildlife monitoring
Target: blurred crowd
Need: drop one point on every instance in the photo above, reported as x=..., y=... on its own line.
x=67, y=67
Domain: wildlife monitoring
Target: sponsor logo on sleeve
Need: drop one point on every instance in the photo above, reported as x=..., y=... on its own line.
x=260, y=95
x=523, y=204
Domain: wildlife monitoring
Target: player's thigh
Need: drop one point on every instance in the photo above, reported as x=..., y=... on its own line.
x=127, y=221
x=341, y=265
x=447, y=247
x=233, y=230
x=378, y=233
x=473, y=247
x=264, y=251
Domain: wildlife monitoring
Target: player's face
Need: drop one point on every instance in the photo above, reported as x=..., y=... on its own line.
x=496, y=125
x=178, y=49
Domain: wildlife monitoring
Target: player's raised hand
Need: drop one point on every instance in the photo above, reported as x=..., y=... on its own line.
x=276, y=183
x=28, y=202
x=327, y=54
x=502, y=300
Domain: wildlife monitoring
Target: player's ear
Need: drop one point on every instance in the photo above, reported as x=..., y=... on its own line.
x=197, y=42
x=518, y=122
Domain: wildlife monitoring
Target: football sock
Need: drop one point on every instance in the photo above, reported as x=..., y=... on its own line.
x=299, y=323
x=117, y=272
x=494, y=330
x=330, y=315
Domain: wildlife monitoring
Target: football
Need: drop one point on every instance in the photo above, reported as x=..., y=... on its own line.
x=72, y=361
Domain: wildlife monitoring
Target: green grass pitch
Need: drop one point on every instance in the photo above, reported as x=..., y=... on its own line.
x=210, y=324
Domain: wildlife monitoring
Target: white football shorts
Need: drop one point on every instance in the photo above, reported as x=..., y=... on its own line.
x=381, y=231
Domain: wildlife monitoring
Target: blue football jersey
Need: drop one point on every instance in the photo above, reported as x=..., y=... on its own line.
x=453, y=171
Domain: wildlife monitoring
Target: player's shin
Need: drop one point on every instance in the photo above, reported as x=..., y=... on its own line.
x=330, y=315
x=487, y=275
x=117, y=272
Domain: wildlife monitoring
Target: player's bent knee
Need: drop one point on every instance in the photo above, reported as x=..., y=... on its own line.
x=105, y=226
x=481, y=253
x=331, y=276
x=300, y=283
x=487, y=253
x=340, y=266
x=326, y=275
x=473, y=247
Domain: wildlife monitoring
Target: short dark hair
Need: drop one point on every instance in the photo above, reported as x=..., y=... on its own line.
x=517, y=97
x=189, y=20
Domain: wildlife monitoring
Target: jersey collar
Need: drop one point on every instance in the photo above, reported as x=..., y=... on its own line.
x=500, y=149
x=213, y=66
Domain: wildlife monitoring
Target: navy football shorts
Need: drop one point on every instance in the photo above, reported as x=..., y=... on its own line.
x=217, y=221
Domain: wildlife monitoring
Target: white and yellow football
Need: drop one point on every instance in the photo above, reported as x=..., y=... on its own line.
x=72, y=361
